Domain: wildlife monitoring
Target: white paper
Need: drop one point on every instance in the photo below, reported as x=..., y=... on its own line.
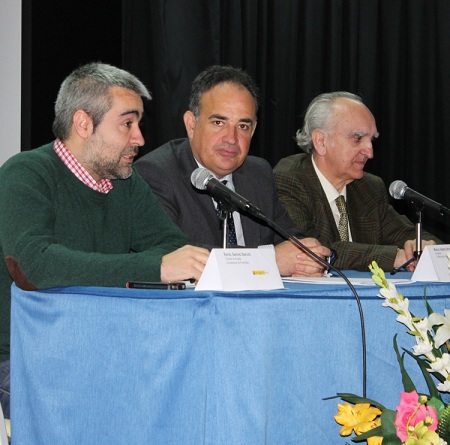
x=434, y=264
x=338, y=280
x=240, y=269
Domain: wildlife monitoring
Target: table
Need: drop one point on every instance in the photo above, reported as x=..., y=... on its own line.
x=123, y=366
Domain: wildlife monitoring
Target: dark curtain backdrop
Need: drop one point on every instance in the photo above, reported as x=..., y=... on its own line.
x=394, y=53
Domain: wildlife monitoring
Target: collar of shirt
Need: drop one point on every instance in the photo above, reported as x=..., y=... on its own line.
x=331, y=194
x=69, y=160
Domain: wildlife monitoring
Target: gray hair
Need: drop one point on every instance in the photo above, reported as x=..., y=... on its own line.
x=215, y=75
x=88, y=88
x=318, y=115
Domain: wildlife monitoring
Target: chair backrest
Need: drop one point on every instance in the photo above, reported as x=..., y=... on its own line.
x=3, y=438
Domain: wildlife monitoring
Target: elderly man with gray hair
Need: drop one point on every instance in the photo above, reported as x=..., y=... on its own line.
x=329, y=196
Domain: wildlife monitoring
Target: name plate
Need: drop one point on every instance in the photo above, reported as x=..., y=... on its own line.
x=241, y=269
x=434, y=264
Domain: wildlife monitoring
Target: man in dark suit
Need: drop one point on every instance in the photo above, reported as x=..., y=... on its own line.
x=220, y=124
x=337, y=137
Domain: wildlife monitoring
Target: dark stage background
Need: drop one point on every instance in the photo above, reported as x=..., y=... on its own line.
x=394, y=53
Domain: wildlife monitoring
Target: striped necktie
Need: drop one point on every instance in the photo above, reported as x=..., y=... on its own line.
x=232, y=238
x=343, y=220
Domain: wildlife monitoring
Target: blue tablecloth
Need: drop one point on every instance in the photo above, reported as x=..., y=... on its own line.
x=123, y=366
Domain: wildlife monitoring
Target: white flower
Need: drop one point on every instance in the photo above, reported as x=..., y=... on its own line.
x=399, y=305
x=444, y=387
x=443, y=333
x=423, y=347
x=422, y=327
x=406, y=320
x=389, y=294
x=441, y=365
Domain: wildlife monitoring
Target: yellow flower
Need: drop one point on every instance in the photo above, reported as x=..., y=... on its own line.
x=375, y=440
x=357, y=417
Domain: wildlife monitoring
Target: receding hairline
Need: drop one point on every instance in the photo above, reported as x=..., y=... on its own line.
x=238, y=86
x=340, y=104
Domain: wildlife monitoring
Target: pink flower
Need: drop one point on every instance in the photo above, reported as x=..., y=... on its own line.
x=410, y=412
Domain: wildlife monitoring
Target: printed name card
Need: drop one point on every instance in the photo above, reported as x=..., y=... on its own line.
x=434, y=264
x=241, y=269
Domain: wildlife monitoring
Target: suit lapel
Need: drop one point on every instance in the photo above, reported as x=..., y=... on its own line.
x=187, y=165
x=322, y=207
x=244, y=185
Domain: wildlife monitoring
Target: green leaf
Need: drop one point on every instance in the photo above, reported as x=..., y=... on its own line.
x=444, y=425
x=352, y=398
x=408, y=384
x=436, y=403
x=389, y=428
x=427, y=305
x=428, y=379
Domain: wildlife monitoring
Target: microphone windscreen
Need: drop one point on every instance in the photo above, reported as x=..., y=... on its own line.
x=199, y=178
x=397, y=189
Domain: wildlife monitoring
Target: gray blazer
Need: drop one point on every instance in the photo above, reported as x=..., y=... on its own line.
x=168, y=171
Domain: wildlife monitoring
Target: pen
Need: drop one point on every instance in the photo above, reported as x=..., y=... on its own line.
x=403, y=266
x=330, y=260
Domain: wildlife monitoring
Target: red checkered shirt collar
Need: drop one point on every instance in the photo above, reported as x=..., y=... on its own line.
x=69, y=160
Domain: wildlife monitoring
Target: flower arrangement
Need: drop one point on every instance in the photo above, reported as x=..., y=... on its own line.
x=419, y=419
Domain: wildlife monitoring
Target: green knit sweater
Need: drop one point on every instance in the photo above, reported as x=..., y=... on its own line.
x=65, y=234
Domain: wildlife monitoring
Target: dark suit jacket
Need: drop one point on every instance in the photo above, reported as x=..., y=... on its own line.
x=377, y=229
x=168, y=170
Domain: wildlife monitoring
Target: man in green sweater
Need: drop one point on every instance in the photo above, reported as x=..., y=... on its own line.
x=74, y=212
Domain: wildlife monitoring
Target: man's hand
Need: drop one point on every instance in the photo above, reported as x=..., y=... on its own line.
x=407, y=253
x=292, y=261
x=184, y=263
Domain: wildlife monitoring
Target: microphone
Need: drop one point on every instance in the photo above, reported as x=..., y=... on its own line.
x=203, y=179
x=399, y=190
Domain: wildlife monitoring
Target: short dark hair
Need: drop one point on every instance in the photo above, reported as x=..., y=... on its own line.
x=215, y=75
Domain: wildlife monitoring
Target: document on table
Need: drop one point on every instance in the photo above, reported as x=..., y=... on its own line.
x=363, y=281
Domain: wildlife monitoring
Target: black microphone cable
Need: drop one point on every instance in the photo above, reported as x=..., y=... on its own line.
x=200, y=179
x=301, y=246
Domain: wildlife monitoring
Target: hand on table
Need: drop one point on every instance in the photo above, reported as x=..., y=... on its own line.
x=292, y=261
x=184, y=263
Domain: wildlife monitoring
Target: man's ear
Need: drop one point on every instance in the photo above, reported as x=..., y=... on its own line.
x=82, y=124
x=189, y=123
x=318, y=139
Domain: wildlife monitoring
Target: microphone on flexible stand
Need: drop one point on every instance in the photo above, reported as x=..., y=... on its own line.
x=203, y=179
x=399, y=190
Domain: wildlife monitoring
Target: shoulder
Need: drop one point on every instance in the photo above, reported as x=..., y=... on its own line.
x=369, y=187
x=40, y=159
x=292, y=164
x=256, y=168
x=168, y=158
x=255, y=163
x=253, y=176
x=372, y=181
x=167, y=151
